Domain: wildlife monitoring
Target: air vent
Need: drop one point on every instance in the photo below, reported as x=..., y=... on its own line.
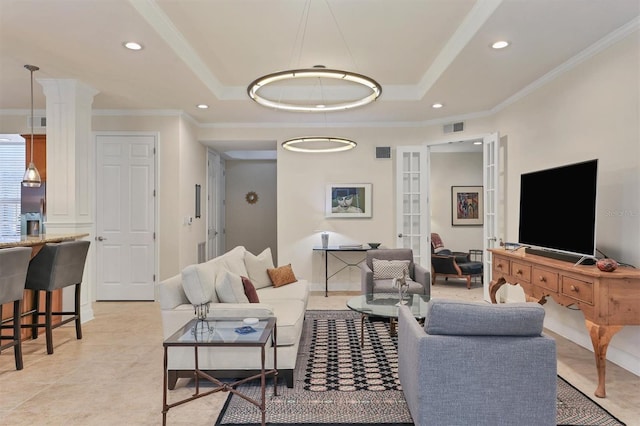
x=453, y=127
x=38, y=122
x=383, y=152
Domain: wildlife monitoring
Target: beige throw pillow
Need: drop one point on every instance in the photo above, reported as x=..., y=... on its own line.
x=230, y=289
x=257, y=267
x=389, y=269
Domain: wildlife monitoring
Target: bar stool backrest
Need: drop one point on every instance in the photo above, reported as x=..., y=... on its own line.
x=13, y=273
x=57, y=265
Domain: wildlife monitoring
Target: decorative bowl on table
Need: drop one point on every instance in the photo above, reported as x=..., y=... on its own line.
x=374, y=245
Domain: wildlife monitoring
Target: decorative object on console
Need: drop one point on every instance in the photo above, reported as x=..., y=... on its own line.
x=325, y=239
x=467, y=206
x=607, y=265
x=348, y=200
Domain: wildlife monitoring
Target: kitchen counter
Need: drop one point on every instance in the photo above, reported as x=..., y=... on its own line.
x=31, y=241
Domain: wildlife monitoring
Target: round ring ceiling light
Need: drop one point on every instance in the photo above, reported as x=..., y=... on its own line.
x=317, y=144
x=319, y=73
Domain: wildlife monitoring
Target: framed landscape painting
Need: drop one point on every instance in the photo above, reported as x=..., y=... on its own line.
x=467, y=206
x=348, y=200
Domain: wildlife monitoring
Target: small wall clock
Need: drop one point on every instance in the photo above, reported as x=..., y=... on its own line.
x=251, y=197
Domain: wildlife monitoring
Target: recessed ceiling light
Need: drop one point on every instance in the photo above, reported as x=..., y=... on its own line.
x=477, y=143
x=132, y=45
x=203, y=106
x=500, y=44
x=437, y=105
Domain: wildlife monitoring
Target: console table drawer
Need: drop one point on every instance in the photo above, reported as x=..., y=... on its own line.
x=500, y=265
x=521, y=271
x=578, y=289
x=545, y=279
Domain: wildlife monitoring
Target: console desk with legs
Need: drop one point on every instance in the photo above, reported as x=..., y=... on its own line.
x=608, y=300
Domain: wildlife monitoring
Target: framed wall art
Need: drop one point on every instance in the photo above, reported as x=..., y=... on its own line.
x=348, y=200
x=467, y=206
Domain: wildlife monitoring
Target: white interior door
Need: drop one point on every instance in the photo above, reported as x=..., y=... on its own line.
x=125, y=217
x=491, y=165
x=412, y=202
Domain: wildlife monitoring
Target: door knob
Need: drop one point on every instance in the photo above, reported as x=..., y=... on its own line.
x=400, y=235
x=100, y=238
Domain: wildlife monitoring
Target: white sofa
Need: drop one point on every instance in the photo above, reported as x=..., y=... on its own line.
x=219, y=281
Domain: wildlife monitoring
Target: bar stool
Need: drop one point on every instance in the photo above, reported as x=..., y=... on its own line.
x=54, y=267
x=13, y=273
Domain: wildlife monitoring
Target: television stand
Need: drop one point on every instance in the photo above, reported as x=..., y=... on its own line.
x=608, y=300
x=566, y=257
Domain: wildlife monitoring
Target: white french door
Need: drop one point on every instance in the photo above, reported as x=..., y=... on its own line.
x=491, y=174
x=412, y=202
x=125, y=217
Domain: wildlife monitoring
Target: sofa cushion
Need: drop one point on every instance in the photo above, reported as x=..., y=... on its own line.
x=297, y=291
x=290, y=315
x=257, y=267
x=452, y=317
x=198, y=282
x=389, y=269
x=234, y=261
x=229, y=288
x=250, y=290
x=282, y=275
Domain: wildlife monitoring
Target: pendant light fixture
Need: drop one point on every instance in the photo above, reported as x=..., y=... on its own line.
x=31, y=175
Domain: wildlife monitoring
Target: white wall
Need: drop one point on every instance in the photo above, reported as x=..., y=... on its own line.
x=453, y=169
x=590, y=112
x=251, y=225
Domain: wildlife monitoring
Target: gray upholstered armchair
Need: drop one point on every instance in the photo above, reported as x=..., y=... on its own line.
x=381, y=266
x=477, y=363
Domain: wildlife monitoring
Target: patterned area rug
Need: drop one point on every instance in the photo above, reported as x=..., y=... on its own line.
x=339, y=383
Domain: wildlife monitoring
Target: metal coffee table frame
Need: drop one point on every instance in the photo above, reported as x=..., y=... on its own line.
x=385, y=305
x=181, y=339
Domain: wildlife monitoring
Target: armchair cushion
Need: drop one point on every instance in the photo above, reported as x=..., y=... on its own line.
x=389, y=269
x=452, y=317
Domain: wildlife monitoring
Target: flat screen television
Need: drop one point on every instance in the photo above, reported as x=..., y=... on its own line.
x=558, y=210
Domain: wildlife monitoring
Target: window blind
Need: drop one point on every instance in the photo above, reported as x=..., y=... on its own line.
x=12, y=167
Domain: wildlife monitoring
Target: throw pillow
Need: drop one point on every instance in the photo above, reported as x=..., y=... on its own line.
x=389, y=269
x=198, y=282
x=282, y=275
x=234, y=259
x=257, y=267
x=230, y=289
x=250, y=290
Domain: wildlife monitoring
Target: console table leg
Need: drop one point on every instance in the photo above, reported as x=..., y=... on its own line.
x=493, y=289
x=600, y=337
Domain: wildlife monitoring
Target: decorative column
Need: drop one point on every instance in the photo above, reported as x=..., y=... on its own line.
x=70, y=175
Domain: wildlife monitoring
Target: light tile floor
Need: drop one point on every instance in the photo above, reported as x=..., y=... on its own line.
x=114, y=374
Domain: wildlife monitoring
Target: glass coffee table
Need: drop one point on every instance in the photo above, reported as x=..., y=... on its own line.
x=385, y=305
x=219, y=333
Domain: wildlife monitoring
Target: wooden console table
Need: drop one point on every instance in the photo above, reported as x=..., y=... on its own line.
x=608, y=300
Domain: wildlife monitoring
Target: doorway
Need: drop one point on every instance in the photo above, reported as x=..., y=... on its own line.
x=125, y=216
